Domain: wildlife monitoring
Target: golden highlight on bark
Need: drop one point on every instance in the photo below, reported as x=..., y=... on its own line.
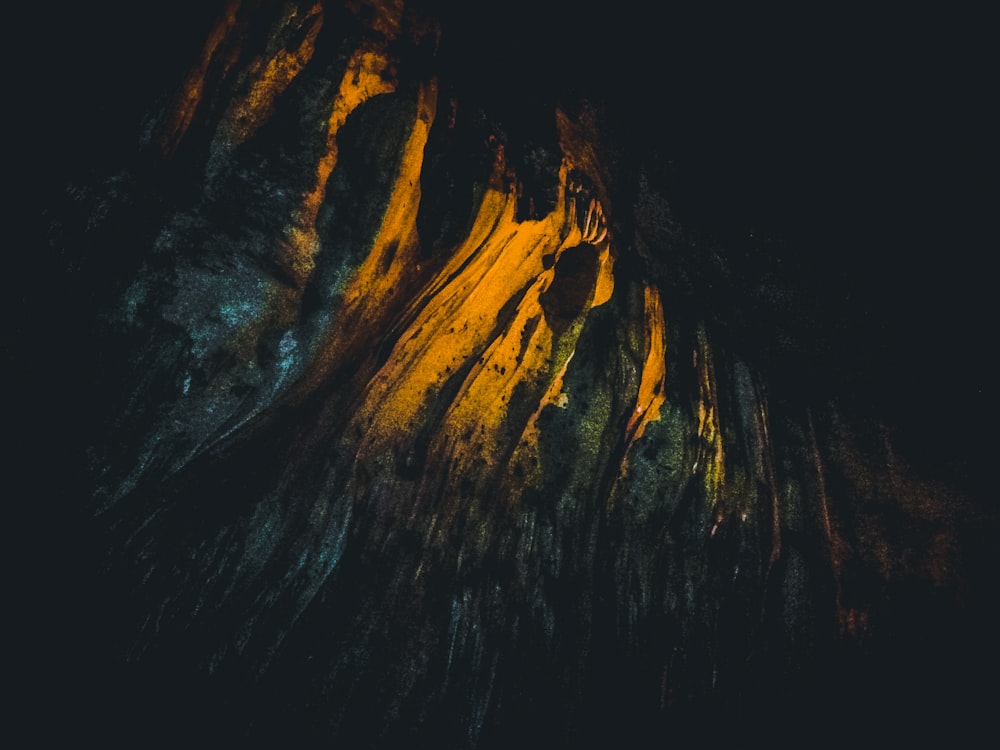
x=193, y=88
x=653, y=383
x=459, y=333
x=711, y=455
x=495, y=323
x=270, y=74
x=367, y=75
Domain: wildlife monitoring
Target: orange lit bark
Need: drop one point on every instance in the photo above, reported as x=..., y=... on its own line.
x=193, y=88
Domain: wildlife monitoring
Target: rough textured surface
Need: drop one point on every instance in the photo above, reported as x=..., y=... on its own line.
x=426, y=391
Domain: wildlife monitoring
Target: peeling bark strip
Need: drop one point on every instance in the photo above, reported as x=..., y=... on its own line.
x=416, y=466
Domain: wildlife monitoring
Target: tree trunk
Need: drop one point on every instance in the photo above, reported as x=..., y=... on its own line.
x=432, y=394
